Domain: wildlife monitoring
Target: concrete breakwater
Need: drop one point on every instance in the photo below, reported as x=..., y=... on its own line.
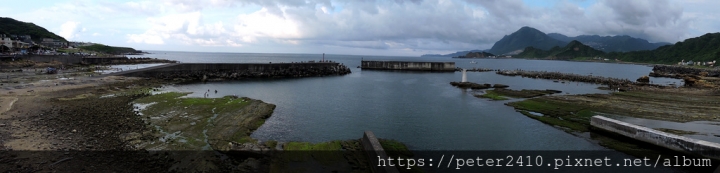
x=568, y=77
x=670, y=141
x=406, y=65
x=204, y=71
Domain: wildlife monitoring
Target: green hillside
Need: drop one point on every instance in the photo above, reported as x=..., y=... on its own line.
x=108, y=49
x=572, y=50
x=11, y=26
x=703, y=48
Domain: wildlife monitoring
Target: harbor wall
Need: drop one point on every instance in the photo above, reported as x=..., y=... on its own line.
x=202, y=71
x=406, y=65
x=670, y=141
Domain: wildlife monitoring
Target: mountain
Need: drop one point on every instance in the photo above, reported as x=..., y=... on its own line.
x=703, y=48
x=522, y=38
x=572, y=50
x=621, y=43
x=460, y=53
x=10, y=26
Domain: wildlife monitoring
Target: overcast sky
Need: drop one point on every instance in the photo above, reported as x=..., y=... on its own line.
x=359, y=27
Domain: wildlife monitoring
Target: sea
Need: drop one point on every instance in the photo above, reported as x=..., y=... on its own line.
x=420, y=109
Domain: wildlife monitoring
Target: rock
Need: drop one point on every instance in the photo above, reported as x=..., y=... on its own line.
x=2, y=125
x=643, y=79
x=500, y=86
x=130, y=136
x=250, y=165
x=689, y=81
x=553, y=91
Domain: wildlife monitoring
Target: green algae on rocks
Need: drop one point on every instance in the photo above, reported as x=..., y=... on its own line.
x=201, y=123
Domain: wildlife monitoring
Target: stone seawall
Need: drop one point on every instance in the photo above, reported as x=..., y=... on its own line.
x=670, y=141
x=203, y=71
x=406, y=65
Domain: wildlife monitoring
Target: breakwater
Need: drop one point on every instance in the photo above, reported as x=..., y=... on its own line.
x=568, y=77
x=406, y=65
x=205, y=71
x=670, y=141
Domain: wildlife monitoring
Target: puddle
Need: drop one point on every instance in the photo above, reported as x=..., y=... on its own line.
x=536, y=113
x=139, y=107
x=209, y=123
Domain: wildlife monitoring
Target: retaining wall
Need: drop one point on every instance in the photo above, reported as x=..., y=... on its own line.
x=671, y=141
x=405, y=65
x=373, y=149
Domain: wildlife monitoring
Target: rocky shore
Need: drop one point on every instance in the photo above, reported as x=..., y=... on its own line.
x=567, y=77
x=681, y=72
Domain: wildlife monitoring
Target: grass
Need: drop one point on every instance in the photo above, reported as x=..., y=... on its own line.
x=574, y=117
x=397, y=149
x=271, y=144
x=192, y=116
x=306, y=146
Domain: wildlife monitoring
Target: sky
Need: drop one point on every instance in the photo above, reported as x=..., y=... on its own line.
x=356, y=27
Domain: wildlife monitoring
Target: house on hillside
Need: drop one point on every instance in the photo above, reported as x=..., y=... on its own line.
x=49, y=42
x=5, y=43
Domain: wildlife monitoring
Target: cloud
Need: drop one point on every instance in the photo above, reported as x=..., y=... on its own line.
x=439, y=26
x=68, y=30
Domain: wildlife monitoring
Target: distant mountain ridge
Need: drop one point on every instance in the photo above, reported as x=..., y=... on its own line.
x=522, y=38
x=10, y=26
x=622, y=43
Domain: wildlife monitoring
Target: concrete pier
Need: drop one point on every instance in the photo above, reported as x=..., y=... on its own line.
x=407, y=65
x=670, y=141
x=464, y=75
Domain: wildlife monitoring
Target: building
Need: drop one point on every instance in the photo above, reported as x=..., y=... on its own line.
x=26, y=39
x=49, y=42
x=78, y=44
x=5, y=42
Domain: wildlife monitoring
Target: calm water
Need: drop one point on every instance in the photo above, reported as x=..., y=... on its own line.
x=419, y=109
